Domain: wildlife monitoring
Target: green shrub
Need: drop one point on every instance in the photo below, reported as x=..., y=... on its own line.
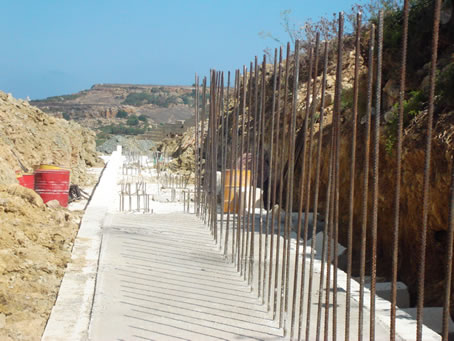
x=122, y=114
x=66, y=116
x=142, y=118
x=347, y=99
x=445, y=85
x=132, y=121
x=412, y=107
x=119, y=129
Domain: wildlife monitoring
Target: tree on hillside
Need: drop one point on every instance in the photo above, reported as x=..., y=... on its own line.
x=132, y=121
x=122, y=114
x=143, y=118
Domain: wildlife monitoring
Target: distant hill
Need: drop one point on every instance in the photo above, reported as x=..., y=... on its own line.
x=99, y=105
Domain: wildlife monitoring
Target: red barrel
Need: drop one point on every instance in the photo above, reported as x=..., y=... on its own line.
x=53, y=185
x=27, y=180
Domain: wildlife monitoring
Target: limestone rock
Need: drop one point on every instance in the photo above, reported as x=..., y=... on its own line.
x=53, y=204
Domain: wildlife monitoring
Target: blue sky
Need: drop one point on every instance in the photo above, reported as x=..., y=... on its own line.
x=54, y=47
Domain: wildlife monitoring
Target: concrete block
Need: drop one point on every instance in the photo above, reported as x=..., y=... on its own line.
x=433, y=318
x=319, y=246
x=383, y=290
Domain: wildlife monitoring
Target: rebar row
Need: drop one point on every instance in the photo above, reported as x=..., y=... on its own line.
x=268, y=150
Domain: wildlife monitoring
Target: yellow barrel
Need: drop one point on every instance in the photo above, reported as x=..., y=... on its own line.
x=229, y=192
x=51, y=167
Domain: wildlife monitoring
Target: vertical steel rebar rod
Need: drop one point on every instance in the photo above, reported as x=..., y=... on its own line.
x=197, y=160
x=214, y=104
x=326, y=235
x=261, y=159
x=240, y=190
x=219, y=149
x=301, y=194
x=375, y=175
x=262, y=183
x=208, y=163
x=247, y=192
x=222, y=152
x=352, y=175
x=316, y=193
x=235, y=168
x=307, y=190
x=403, y=72
x=365, y=183
x=211, y=153
x=202, y=145
x=226, y=144
x=448, y=277
x=245, y=160
x=330, y=230
x=427, y=171
x=270, y=178
x=254, y=175
x=337, y=108
x=234, y=123
x=274, y=173
x=290, y=178
x=281, y=186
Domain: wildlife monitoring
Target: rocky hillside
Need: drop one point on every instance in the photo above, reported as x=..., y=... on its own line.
x=30, y=137
x=35, y=239
x=100, y=104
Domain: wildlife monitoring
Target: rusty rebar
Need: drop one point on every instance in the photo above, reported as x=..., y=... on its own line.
x=307, y=190
x=262, y=202
x=222, y=149
x=337, y=109
x=251, y=165
x=301, y=193
x=214, y=104
x=226, y=144
x=197, y=159
x=290, y=178
x=240, y=190
x=449, y=256
x=270, y=177
x=261, y=159
x=243, y=164
x=254, y=174
x=281, y=186
x=316, y=193
x=275, y=170
x=351, y=204
x=375, y=175
x=227, y=227
x=427, y=171
x=203, y=142
x=403, y=71
x=330, y=229
x=233, y=171
x=248, y=169
x=365, y=182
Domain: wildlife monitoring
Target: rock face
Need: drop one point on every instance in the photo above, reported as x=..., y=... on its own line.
x=30, y=137
x=182, y=149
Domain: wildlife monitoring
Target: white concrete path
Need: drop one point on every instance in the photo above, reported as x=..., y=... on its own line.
x=161, y=277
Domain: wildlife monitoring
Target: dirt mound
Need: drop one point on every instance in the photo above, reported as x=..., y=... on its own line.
x=35, y=246
x=31, y=137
